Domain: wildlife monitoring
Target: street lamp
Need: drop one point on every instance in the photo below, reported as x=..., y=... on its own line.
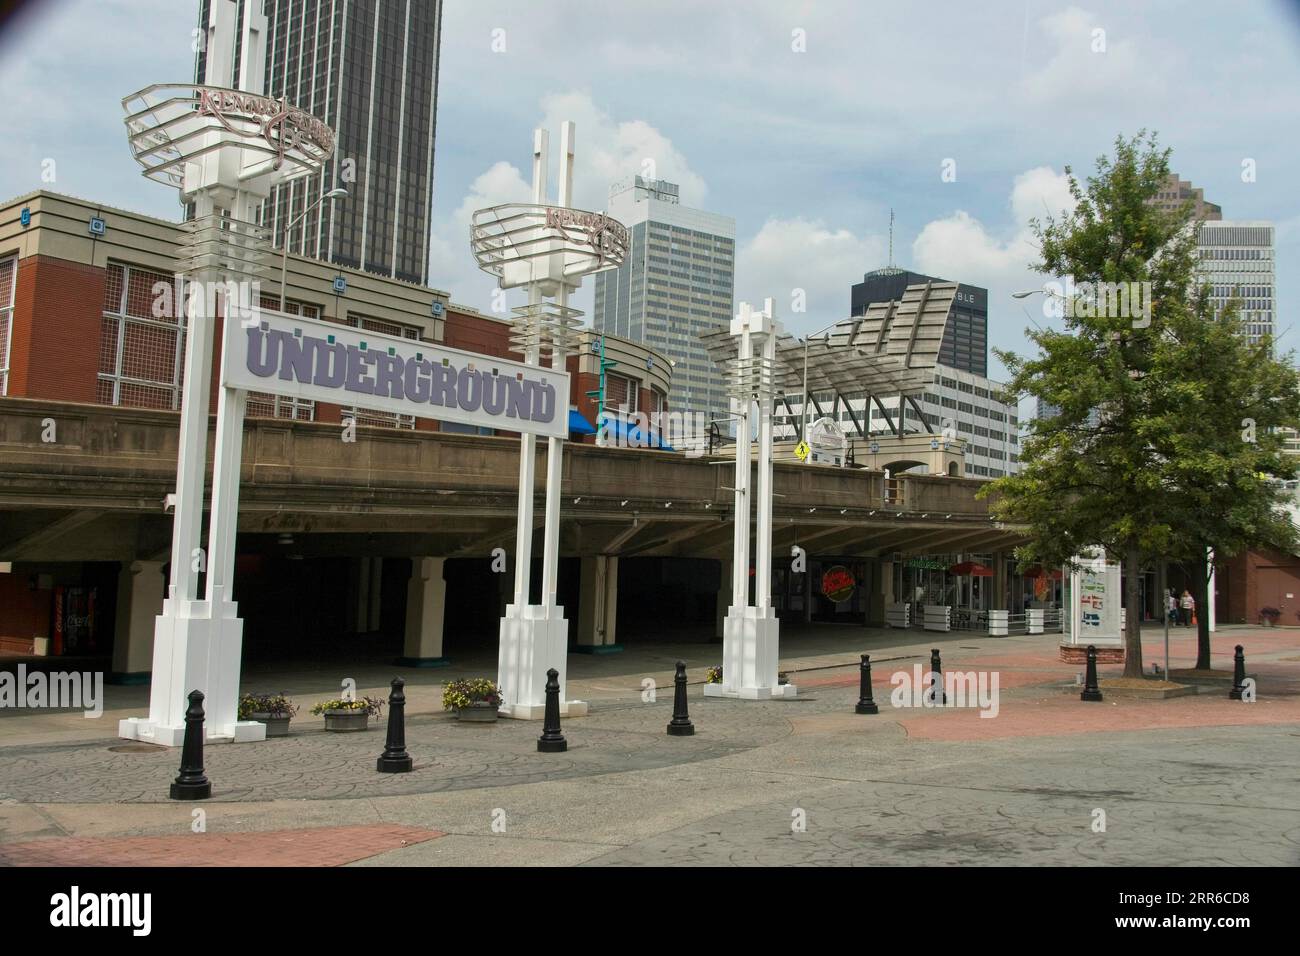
x=337, y=193
x=803, y=409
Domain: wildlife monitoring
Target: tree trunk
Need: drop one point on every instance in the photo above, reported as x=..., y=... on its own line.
x=1133, y=628
x=1202, y=596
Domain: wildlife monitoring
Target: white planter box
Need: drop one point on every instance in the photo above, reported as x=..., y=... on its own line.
x=937, y=617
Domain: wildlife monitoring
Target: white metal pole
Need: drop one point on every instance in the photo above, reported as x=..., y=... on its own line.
x=740, y=552
x=763, y=558
x=192, y=458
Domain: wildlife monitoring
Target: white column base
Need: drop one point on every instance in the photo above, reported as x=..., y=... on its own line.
x=750, y=647
x=534, y=638
x=195, y=650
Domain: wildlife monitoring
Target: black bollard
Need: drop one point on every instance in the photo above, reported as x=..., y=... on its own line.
x=1090, y=689
x=552, y=741
x=395, y=759
x=936, y=682
x=1238, y=674
x=865, y=704
x=192, y=783
x=680, y=725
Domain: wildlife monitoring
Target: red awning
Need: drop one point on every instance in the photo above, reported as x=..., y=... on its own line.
x=972, y=568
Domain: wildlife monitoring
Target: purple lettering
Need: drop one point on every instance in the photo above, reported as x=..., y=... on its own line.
x=331, y=362
x=263, y=352
x=444, y=386
x=356, y=379
x=417, y=380
x=469, y=390
x=388, y=376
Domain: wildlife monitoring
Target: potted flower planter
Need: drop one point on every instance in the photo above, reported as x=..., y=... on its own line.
x=273, y=710
x=277, y=725
x=479, y=712
x=346, y=721
x=346, y=716
x=474, y=699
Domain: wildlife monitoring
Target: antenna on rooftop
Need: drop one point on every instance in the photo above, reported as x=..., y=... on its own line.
x=891, y=238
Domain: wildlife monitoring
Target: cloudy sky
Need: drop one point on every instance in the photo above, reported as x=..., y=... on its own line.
x=807, y=122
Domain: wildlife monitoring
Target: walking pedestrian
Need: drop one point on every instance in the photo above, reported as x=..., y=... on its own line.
x=1189, y=606
x=1171, y=607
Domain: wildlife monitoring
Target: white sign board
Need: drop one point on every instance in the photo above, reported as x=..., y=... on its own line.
x=324, y=362
x=1095, y=603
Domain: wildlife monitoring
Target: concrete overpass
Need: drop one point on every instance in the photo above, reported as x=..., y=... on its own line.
x=82, y=482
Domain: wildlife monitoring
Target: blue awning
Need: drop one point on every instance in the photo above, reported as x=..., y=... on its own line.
x=629, y=434
x=579, y=425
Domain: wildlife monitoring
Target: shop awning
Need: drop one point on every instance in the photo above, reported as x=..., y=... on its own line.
x=972, y=569
x=579, y=425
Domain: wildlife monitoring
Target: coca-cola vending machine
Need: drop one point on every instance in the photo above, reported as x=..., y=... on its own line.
x=74, y=620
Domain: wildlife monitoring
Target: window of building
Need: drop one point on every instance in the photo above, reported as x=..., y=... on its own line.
x=142, y=342
x=8, y=281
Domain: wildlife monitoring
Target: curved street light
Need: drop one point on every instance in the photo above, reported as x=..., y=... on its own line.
x=337, y=193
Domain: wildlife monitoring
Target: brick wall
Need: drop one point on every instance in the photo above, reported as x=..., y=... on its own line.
x=58, y=312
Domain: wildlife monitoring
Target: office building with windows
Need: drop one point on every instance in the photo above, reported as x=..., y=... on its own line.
x=1237, y=262
x=1175, y=192
x=965, y=340
x=676, y=284
x=369, y=70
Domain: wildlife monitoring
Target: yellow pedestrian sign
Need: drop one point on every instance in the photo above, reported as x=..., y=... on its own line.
x=801, y=451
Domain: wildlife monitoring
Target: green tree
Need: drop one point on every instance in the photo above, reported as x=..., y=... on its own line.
x=1218, y=408
x=1138, y=459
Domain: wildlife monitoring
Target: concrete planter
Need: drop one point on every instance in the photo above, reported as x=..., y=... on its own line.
x=477, y=713
x=346, y=721
x=276, y=725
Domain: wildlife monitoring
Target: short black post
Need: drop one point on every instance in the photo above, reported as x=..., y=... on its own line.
x=680, y=725
x=552, y=741
x=865, y=704
x=192, y=783
x=1238, y=674
x=936, y=682
x=1090, y=689
x=395, y=759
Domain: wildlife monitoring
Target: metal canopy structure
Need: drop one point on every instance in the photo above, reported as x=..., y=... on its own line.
x=891, y=350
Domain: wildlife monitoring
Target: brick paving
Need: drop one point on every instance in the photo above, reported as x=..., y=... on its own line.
x=319, y=846
x=1195, y=779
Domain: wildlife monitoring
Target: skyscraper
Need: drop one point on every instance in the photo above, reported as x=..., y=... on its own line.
x=1175, y=192
x=676, y=283
x=368, y=69
x=965, y=338
x=1236, y=260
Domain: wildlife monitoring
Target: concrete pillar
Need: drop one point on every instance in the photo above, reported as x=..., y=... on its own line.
x=724, y=596
x=139, y=600
x=426, y=600
x=598, y=605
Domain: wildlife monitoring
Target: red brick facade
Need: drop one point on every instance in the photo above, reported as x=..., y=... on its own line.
x=53, y=350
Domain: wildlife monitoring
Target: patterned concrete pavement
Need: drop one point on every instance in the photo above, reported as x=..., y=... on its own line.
x=1196, y=779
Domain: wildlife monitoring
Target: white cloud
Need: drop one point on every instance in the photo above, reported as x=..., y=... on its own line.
x=1092, y=59
x=787, y=255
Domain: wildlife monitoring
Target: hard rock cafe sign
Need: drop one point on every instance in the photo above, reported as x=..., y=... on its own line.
x=284, y=127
